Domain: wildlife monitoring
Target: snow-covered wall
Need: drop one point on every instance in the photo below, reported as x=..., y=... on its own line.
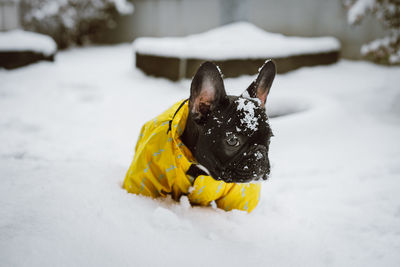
x=240, y=40
x=19, y=40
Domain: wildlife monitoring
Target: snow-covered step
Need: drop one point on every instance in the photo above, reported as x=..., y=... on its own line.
x=19, y=48
x=239, y=48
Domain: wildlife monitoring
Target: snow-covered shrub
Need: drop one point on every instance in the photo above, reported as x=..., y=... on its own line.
x=387, y=49
x=72, y=21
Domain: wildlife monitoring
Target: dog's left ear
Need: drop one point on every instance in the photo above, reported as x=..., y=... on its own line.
x=207, y=91
x=261, y=86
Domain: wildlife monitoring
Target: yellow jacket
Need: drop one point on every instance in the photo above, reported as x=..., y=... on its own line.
x=161, y=161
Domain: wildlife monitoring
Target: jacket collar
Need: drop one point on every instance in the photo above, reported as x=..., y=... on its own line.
x=178, y=123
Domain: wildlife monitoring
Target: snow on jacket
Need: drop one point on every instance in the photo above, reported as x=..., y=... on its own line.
x=161, y=161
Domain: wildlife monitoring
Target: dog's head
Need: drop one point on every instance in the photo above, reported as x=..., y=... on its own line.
x=230, y=135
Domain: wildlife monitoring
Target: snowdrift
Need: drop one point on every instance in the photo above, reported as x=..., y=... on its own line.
x=68, y=132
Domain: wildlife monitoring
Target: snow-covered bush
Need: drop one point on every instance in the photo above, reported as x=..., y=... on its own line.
x=72, y=21
x=387, y=49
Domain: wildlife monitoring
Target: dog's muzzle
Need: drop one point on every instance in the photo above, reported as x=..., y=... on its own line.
x=249, y=166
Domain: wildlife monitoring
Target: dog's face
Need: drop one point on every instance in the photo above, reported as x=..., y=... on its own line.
x=230, y=135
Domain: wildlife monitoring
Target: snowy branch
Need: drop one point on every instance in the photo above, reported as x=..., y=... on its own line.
x=72, y=21
x=387, y=12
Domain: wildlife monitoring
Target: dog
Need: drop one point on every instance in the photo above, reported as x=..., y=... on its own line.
x=212, y=147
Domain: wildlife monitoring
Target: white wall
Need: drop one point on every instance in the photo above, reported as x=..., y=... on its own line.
x=174, y=17
x=9, y=15
x=313, y=18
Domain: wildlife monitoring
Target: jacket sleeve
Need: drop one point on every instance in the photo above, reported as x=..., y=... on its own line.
x=241, y=197
x=227, y=196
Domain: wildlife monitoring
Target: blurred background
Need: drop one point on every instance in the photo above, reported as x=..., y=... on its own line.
x=113, y=21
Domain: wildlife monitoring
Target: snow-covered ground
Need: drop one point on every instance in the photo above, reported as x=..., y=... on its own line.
x=68, y=129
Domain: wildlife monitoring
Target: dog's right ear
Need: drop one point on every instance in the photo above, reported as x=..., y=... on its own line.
x=261, y=86
x=207, y=91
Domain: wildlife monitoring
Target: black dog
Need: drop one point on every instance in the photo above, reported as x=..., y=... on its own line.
x=229, y=135
x=209, y=149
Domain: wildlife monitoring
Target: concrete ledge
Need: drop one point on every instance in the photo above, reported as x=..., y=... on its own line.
x=175, y=68
x=16, y=59
x=239, y=48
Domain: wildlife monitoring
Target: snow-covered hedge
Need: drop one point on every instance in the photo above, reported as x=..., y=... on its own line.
x=387, y=49
x=72, y=21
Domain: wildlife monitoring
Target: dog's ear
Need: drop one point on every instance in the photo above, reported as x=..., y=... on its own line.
x=207, y=91
x=261, y=86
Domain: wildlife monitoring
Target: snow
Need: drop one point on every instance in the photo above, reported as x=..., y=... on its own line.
x=58, y=7
x=68, y=131
x=232, y=41
x=358, y=10
x=385, y=42
x=50, y=8
x=250, y=121
x=19, y=40
x=123, y=7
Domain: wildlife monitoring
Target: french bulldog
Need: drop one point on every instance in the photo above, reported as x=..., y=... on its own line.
x=228, y=135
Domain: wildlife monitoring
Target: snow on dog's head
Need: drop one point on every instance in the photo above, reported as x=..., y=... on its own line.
x=250, y=113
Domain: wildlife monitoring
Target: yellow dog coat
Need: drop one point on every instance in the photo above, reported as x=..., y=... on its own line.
x=161, y=161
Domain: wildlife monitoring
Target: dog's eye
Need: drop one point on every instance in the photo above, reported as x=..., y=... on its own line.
x=233, y=140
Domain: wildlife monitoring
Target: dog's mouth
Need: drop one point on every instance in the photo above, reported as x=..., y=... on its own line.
x=247, y=168
x=243, y=176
